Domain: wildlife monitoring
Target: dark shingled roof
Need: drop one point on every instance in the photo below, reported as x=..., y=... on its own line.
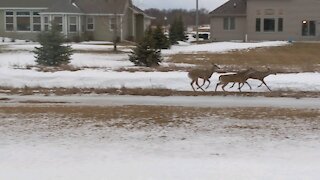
x=63, y=6
x=25, y=3
x=231, y=8
x=102, y=6
x=71, y=6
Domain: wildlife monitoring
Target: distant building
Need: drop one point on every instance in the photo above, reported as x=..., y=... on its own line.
x=96, y=19
x=254, y=20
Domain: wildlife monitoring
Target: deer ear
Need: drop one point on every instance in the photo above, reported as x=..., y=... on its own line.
x=215, y=65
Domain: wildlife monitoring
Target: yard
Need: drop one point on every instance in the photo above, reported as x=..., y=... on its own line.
x=103, y=118
x=95, y=69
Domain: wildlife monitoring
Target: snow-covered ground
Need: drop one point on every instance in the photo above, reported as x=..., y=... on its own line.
x=62, y=147
x=103, y=75
x=220, y=47
x=202, y=148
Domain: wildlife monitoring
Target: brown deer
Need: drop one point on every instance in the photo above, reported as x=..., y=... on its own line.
x=240, y=78
x=260, y=75
x=200, y=73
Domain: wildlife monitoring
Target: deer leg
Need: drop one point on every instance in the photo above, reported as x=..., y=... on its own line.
x=192, y=85
x=199, y=87
x=248, y=85
x=233, y=85
x=208, y=84
x=224, y=85
x=204, y=81
x=240, y=86
x=266, y=85
x=219, y=83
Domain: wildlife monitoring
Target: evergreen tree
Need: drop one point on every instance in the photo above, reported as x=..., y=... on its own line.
x=52, y=51
x=180, y=30
x=160, y=39
x=173, y=36
x=145, y=54
x=177, y=32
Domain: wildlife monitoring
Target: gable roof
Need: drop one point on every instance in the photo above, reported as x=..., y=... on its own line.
x=231, y=8
x=71, y=6
x=102, y=6
x=140, y=11
x=25, y=3
x=63, y=6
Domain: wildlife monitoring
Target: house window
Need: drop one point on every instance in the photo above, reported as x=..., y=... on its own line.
x=36, y=21
x=113, y=23
x=59, y=21
x=269, y=25
x=23, y=21
x=90, y=23
x=73, y=25
x=229, y=23
x=308, y=28
x=9, y=21
x=258, y=25
x=46, y=23
x=280, y=24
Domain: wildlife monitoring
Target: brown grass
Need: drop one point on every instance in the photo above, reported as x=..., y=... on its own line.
x=298, y=57
x=159, y=115
x=150, y=92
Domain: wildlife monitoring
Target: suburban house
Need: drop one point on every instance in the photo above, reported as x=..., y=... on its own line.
x=90, y=19
x=254, y=20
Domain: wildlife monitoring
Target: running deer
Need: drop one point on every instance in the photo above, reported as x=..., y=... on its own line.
x=260, y=75
x=204, y=74
x=240, y=78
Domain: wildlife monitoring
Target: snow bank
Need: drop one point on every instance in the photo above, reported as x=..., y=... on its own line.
x=171, y=80
x=220, y=47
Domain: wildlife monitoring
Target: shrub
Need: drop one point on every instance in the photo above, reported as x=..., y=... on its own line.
x=52, y=51
x=145, y=55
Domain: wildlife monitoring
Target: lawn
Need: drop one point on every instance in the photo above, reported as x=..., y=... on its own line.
x=297, y=57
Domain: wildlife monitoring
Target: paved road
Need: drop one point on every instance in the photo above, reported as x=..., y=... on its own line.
x=187, y=101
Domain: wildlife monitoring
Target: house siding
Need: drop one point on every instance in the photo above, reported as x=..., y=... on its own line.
x=14, y=34
x=219, y=34
x=293, y=13
x=131, y=21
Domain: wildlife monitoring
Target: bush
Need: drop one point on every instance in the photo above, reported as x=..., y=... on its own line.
x=160, y=39
x=145, y=55
x=52, y=51
x=177, y=31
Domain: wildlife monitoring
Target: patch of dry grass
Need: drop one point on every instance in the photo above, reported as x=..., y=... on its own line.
x=298, y=57
x=157, y=115
x=150, y=92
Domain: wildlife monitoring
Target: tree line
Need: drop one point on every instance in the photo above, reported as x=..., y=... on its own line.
x=166, y=17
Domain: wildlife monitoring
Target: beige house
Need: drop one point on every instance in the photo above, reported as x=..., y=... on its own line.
x=254, y=20
x=90, y=19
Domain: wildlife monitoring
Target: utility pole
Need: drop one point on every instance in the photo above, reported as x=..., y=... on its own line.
x=197, y=20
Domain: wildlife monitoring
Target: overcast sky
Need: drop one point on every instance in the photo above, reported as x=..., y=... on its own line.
x=173, y=4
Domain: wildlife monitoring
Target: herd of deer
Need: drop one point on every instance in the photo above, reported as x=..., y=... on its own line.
x=240, y=77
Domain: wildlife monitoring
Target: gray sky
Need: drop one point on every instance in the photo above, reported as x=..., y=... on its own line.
x=184, y=4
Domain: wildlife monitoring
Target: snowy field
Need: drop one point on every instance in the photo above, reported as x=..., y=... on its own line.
x=98, y=70
x=204, y=147
x=152, y=138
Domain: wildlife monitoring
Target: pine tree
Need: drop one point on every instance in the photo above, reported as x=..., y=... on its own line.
x=177, y=32
x=160, y=39
x=52, y=51
x=145, y=54
x=173, y=35
x=180, y=29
